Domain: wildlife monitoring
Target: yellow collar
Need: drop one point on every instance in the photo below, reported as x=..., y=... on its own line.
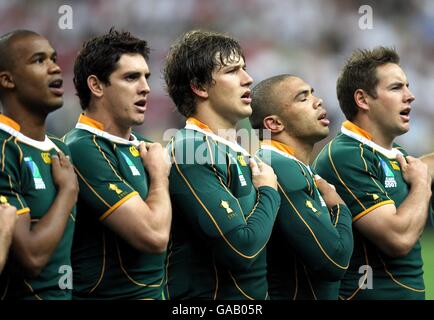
x=197, y=123
x=356, y=129
x=90, y=122
x=280, y=146
x=9, y=122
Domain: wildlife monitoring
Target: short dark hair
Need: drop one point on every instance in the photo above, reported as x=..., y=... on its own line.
x=264, y=100
x=99, y=56
x=191, y=60
x=6, y=57
x=360, y=72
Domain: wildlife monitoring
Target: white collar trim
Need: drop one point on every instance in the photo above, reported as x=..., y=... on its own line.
x=272, y=148
x=391, y=154
x=45, y=145
x=135, y=142
x=234, y=146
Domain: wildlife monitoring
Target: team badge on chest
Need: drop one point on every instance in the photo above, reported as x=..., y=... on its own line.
x=36, y=173
x=389, y=181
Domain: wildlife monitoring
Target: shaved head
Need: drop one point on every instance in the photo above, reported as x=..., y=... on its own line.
x=6, y=47
x=265, y=99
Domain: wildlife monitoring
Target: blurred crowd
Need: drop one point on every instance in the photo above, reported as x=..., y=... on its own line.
x=310, y=38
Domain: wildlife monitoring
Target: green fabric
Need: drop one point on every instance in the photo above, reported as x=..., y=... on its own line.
x=365, y=178
x=105, y=266
x=221, y=224
x=26, y=181
x=310, y=247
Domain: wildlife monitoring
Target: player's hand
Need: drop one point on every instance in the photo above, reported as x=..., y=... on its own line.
x=414, y=171
x=328, y=192
x=155, y=159
x=262, y=175
x=64, y=176
x=8, y=218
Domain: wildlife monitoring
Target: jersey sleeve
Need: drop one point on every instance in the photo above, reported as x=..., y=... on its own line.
x=356, y=174
x=11, y=184
x=102, y=187
x=200, y=194
x=324, y=246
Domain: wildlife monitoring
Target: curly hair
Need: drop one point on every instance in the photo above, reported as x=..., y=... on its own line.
x=99, y=57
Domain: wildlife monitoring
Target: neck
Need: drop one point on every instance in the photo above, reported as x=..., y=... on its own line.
x=302, y=149
x=222, y=127
x=378, y=135
x=109, y=123
x=31, y=125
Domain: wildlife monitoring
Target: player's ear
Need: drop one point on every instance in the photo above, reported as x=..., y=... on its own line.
x=95, y=86
x=273, y=123
x=361, y=98
x=6, y=80
x=198, y=89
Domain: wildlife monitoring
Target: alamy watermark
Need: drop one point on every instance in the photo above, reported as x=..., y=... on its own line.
x=67, y=17
x=65, y=280
x=193, y=147
x=366, y=280
x=366, y=20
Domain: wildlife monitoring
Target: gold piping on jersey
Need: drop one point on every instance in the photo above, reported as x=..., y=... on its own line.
x=338, y=214
x=6, y=288
x=309, y=282
x=31, y=290
x=103, y=264
x=166, y=284
x=398, y=282
x=92, y=189
x=363, y=213
x=209, y=213
x=296, y=277
x=365, y=276
x=130, y=278
x=311, y=231
x=117, y=205
x=339, y=177
x=238, y=287
x=216, y=278
x=3, y=151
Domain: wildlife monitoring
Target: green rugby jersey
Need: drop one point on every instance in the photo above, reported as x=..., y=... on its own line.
x=368, y=176
x=221, y=223
x=110, y=172
x=310, y=247
x=26, y=182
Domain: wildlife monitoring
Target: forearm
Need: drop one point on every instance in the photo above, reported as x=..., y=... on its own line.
x=35, y=245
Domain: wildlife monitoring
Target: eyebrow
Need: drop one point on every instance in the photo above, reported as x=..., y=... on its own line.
x=399, y=83
x=136, y=73
x=43, y=54
x=303, y=92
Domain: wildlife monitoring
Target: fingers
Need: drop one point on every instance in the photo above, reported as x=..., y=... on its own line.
x=254, y=167
x=401, y=160
x=55, y=161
